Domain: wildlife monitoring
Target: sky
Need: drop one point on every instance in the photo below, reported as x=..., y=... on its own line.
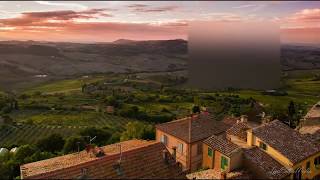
x=105, y=21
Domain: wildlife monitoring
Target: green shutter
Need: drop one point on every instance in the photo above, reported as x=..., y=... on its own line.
x=224, y=162
x=209, y=152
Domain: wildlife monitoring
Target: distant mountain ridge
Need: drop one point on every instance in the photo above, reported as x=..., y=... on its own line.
x=22, y=61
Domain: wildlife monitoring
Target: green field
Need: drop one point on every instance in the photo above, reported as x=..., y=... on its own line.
x=30, y=134
x=64, y=86
x=45, y=125
x=57, y=109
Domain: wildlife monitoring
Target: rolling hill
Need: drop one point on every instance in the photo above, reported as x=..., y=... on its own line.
x=26, y=63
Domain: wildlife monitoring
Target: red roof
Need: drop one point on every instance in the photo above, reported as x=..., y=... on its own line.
x=139, y=159
x=202, y=127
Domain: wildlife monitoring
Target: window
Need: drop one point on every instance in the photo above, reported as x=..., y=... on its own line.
x=263, y=146
x=224, y=162
x=199, y=148
x=180, y=148
x=209, y=152
x=308, y=167
x=297, y=174
x=164, y=139
x=317, y=162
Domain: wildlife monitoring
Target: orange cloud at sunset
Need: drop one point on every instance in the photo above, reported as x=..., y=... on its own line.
x=87, y=26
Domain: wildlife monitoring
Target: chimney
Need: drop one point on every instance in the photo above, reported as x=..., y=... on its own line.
x=189, y=128
x=244, y=118
x=205, y=111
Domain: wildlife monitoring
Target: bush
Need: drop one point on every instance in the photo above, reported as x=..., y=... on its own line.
x=72, y=144
x=52, y=143
x=138, y=130
x=102, y=135
x=24, y=152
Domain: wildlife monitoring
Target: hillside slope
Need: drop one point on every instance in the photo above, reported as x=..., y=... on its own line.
x=23, y=64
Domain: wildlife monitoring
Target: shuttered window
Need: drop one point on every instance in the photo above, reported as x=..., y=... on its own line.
x=180, y=148
x=209, y=152
x=164, y=139
x=224, y=163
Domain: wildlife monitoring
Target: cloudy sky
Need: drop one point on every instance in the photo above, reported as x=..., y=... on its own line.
x=104, y=21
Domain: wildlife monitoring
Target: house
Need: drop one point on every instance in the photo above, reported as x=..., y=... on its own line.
x=183, y=137
x=133, y=159
x=291, y=149
x=269, y=151
x=313, y=116
x=221, y=154
x=110, y=109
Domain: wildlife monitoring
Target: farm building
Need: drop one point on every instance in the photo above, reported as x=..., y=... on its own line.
x=313, y=116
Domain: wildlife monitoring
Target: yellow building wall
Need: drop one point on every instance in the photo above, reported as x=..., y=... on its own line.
x=313, y=170
x=249, y=137
x=286, y=162
x=274, y=153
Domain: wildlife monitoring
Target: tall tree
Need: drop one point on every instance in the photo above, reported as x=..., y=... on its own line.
x=291, y=112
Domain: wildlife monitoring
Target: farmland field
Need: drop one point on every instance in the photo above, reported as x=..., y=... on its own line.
x=56, y=107
x=29, y=134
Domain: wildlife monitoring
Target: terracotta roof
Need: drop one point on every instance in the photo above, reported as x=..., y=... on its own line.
x=239, y=130
x=135, y=154
x=314, y=112
x=215, y=174
x=222, y=145
x=285, y=140
x=265, y=163
x=202, y=126
x=230, y=120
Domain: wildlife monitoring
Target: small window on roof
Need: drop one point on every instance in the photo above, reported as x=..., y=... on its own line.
x=263, y=146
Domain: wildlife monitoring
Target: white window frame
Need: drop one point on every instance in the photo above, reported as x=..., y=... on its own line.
x=164, y=139
x=180, y=148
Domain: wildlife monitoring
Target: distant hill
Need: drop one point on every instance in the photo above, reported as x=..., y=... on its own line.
x=25, y=62
x=21, y=62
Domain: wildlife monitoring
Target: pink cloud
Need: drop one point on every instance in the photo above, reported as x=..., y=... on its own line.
x=306, y=15
x=147, y=8
x=38, y=18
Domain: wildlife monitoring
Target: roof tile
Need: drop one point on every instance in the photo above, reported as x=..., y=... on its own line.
x=202, y=126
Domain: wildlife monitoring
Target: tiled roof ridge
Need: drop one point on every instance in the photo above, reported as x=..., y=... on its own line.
x=103, y=147
x=103, y=158
x=73, y=155
x=187, y=117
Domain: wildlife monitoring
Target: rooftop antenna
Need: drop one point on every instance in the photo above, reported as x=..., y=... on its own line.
x=120, y=153
x=91, y=139
x=117, y=166
x=78, y=144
